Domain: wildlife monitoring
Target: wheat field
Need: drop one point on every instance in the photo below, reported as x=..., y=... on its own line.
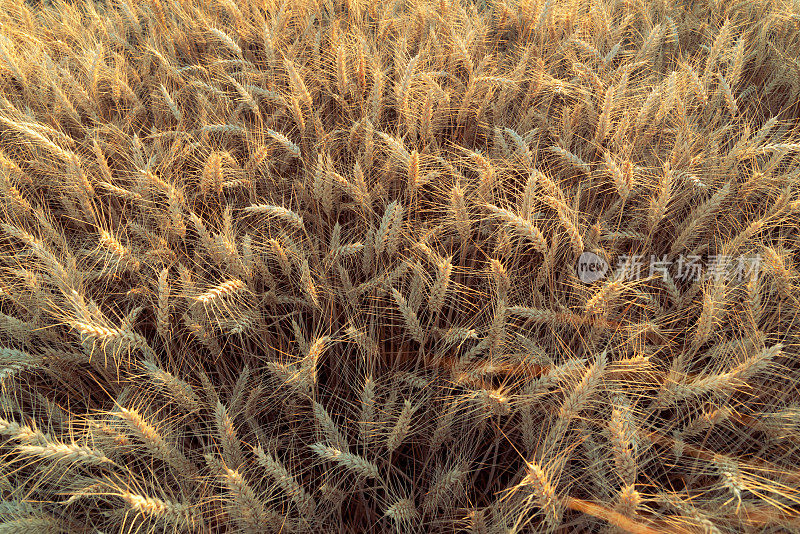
x=323, y=266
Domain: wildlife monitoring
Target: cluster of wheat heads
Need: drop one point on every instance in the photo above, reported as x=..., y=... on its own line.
x=310, y=267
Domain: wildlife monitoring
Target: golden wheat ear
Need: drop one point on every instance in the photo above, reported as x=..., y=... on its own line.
x=299, y=267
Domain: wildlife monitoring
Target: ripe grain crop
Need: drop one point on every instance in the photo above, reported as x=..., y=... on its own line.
x=287, y=266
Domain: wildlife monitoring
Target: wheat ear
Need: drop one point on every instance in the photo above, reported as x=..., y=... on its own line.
x=402, y=512
x=179, y=390
x=539, y=481
x=65, y=452
x=621, y=431
x=523, y=227
x=162, y=308
x=171, y=512
x=231, y=448
x=230, y=287
x=401, y=427
x=277, y=471
x=248, y=511
x=155, y=442
x=352, y=462
x=328, y=427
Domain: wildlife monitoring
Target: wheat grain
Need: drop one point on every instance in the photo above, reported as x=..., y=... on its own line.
x=298, y=85
x=231, y=449
x=284, y=141
x=438, y=290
